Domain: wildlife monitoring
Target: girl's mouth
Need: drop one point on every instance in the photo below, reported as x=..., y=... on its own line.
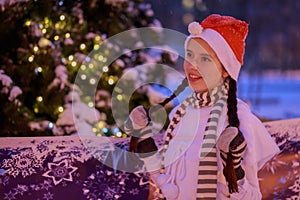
x=194, y=77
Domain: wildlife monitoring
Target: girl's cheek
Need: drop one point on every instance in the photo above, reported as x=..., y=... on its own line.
x=186, y=64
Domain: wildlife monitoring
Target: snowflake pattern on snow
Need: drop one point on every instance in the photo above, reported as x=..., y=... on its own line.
x=22, y=163
x=51, y=168
x=280, y=177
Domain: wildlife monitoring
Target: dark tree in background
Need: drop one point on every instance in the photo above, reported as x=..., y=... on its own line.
x=44, y=43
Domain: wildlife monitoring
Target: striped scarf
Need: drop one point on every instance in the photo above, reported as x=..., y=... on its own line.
x=207, y=173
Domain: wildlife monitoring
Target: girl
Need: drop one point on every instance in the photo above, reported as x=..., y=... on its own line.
x=214, y=146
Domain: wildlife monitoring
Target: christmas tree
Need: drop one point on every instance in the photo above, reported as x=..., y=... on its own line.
x=43, y=46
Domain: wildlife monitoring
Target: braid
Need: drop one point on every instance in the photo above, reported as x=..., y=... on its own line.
x=134, y=140
x=133, y=144
x=233, y=170
x=178, y=90
x=232, y=104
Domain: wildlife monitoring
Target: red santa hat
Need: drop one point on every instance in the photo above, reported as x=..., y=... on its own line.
x=226, y=35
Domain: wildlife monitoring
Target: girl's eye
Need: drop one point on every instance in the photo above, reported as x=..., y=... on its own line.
x=206, y=59
x=188, y=54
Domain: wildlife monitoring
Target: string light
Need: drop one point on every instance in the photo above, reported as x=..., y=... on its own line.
x=100, y=57
x=60, y=109
x=39, y=99
x=56, y=37
x=35, y=48
x=97, y=38
x=118, y=90
x=91, y=66
x=101, y=129
x=119, y=97
x=91, y=104
x=28, y=23
x=56, y=25
x=87, y=59
x=71, y=57
x=111, y=81
x=41, y=26
x=105, y=130
x=38, y=70
x=105, y=69
x=47, y=22
x=83, y=67
x=83, y=76
x=101, y=124
x=31, y=58
x=116, y=130
x=73, y=63
x=96, y=46
x=92, y=81
x=82, y=46
x=67, y=35
x=50, y=126
x=119, y=134
x=44, y=31
x=62, y=17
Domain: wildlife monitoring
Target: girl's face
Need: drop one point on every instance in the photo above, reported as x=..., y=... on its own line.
x=202, y=67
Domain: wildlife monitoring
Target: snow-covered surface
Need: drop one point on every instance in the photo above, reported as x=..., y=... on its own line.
x=287, y=126
x=28, y=167
x=280, y=177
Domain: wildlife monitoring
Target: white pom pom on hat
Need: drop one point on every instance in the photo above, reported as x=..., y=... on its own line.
x=195, y=28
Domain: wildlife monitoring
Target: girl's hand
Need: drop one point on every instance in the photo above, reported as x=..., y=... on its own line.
x=232, y=146
x=138, y=123
x=139, y=127
x=139, y=117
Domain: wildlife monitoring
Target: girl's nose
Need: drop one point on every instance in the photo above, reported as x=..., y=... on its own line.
x=193, y=64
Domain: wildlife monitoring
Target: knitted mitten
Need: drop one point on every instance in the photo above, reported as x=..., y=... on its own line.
x=139, y=128
x=232, y=145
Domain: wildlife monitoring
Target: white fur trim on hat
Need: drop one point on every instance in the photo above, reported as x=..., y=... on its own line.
x=221, y=48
